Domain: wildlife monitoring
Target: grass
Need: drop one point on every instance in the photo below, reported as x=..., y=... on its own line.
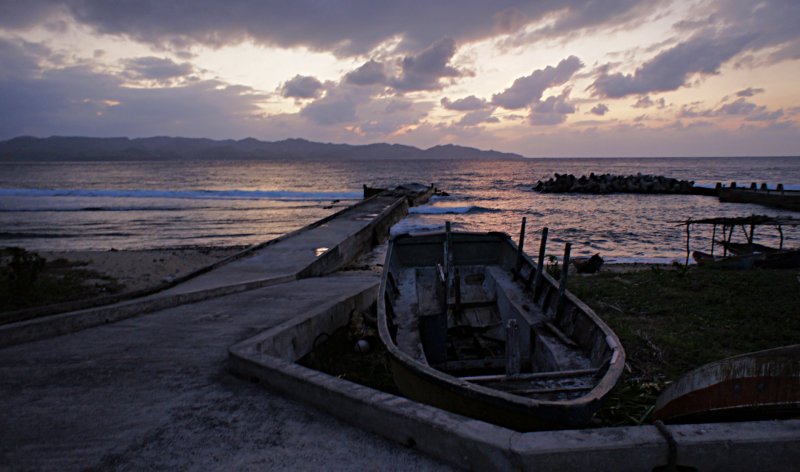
x=28, y=280
x=672, y=321
x=669, y=321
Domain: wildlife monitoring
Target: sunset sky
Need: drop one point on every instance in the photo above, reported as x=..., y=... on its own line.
x=539, y=78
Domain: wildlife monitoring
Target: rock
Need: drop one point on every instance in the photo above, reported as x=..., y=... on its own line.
x=607, y=183
x=588, y=266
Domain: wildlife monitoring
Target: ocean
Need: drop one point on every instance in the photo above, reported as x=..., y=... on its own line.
x=146, y=205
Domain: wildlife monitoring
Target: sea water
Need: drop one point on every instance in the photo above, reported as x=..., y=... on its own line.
x=138, y=205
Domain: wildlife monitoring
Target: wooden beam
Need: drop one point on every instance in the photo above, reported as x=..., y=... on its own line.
x=520, y=247
x=538, y=280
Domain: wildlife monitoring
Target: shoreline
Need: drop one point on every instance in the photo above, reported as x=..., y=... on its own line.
x=139, y=269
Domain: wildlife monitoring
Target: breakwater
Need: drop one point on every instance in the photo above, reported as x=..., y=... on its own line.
x=608, y=183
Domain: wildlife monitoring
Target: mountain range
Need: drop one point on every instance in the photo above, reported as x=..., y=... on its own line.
x=59, y=148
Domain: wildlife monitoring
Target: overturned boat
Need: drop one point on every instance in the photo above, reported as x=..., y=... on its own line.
x=473, y=326
x=754, y=386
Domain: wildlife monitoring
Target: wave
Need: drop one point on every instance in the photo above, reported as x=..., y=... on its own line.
x=282, y=195
x=91, y=209
x=454, y=210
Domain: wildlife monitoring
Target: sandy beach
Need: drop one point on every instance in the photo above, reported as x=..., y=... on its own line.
x=143, y=269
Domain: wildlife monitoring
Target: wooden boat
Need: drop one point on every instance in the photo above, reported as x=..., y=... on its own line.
x=471, y=326
x=747, y=254
x=743, y=262
x=780, y=260
x=758, y=385
x=739, y=249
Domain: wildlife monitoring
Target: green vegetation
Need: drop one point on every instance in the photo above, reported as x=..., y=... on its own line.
x=27, y=280
x=671, y=321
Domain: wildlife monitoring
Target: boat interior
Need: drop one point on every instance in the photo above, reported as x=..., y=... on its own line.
x=474, y=307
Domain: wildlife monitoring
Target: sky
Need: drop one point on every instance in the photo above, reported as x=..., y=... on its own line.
x=594, y=78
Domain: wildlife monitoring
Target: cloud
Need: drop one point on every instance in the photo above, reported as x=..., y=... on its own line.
x=552, y=111
x=381, y=117
x=425, y=70
x=24, y=15
x=672, y=68
x=750, y=110
x=344, y=28
x=600, y=109
x=370, y=73
x=16, y=58
x=477, y=117
x=528, y=89
x=749, y=92
x=464, y=104
x=570, y=17
x=155, y=68
x=301, y=86
x=646, y=102
x=78, y=100
x=336, y=107
x=740, y=29
x=740, y=107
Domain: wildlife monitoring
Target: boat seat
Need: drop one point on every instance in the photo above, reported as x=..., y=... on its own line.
x=549, y=348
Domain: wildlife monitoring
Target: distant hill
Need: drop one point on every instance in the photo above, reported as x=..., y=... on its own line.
x=57, y=148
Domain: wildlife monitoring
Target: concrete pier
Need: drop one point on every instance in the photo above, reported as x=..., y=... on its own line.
x=776, y=198
x=318, y=249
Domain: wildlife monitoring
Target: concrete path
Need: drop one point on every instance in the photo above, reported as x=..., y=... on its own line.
x=152, y=392
x=289, y=256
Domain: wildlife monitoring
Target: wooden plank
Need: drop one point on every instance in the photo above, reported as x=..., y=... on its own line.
x=556, y=374
x=534, y=391
x=513, y=359
x=473, y=364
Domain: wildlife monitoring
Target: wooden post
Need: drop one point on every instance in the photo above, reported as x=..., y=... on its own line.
x=780, y=231
x=688, y=249
x=724, y=238
x=513, y=358
x=562, y=286
x=539, y=266
x=713, y=239
x=730, y=235
x=520, y=247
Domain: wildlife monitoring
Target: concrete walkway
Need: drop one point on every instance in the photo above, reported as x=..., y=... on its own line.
x=152, y=392
x=318, y=249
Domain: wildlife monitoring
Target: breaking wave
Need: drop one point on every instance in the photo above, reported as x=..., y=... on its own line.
x=452, y=210
x=282, y=195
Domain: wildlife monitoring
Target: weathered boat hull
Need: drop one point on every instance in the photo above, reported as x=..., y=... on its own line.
x=422, y=382
x=759, y=385
x=432, y=391
x=739, y=249
x=780, y=260
x=743, y=262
